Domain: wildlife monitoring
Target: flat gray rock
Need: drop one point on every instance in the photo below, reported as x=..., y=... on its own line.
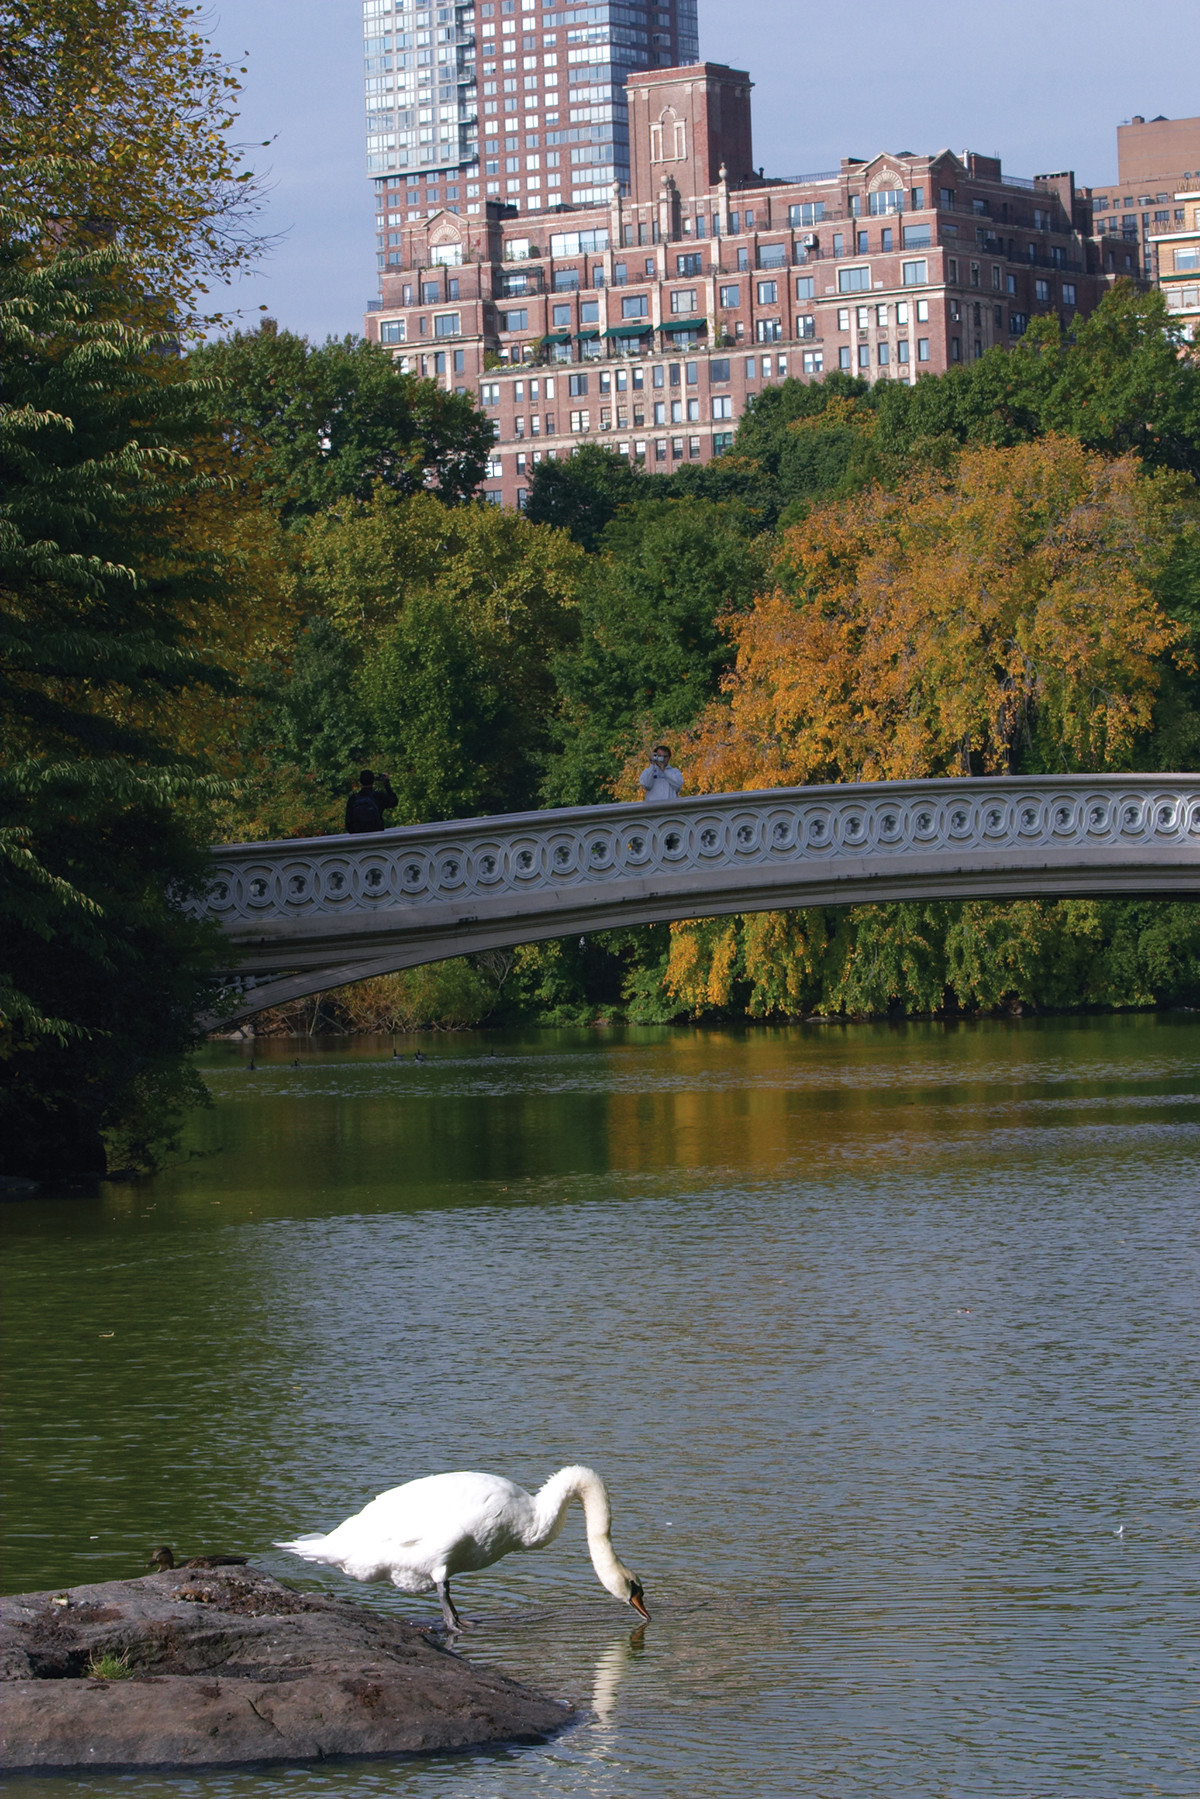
x=229, y=1665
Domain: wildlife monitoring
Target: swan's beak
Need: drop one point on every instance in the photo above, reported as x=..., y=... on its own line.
x=638, y=1604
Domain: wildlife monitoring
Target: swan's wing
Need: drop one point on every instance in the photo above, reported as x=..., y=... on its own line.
x=447, y=1522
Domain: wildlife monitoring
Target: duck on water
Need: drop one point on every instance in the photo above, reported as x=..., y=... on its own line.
x=421, y=1534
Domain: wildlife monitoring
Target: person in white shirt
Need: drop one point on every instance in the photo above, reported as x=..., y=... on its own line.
x=660, y=781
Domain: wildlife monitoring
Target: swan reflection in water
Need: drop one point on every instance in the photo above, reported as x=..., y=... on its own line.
x=611, y=1669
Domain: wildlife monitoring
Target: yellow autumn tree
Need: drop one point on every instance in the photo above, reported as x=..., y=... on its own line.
x=1001, y=612
x=115, y=118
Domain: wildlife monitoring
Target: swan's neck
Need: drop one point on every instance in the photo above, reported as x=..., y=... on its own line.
x=550, y=1510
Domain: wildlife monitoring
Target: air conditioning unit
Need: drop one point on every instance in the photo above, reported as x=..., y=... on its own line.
x=811, y=241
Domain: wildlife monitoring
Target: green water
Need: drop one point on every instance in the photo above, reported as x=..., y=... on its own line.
x=879, y=1335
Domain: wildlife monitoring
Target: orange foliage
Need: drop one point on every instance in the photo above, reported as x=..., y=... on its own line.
x=946, y=628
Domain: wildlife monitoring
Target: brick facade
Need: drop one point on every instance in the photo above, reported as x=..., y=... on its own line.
x=648, y=323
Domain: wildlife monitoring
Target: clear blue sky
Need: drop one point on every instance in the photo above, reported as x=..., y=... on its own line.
x=1043, y=83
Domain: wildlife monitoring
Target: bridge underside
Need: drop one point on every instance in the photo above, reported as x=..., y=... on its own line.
x=290, y=959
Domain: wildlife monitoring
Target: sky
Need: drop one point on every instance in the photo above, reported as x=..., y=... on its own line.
x=1041, y=83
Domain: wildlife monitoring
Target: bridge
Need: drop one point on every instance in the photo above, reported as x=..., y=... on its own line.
x=309, y=914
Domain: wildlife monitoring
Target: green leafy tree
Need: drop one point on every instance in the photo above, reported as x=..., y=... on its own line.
x=650, y=652
x=582, y=493
x=103, y=832
x=314, y=424
x=452, y=616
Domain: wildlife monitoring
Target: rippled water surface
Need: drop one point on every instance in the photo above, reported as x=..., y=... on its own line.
x=879, y=1337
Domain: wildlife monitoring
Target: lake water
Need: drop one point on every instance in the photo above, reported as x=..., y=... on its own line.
x=878, y=1335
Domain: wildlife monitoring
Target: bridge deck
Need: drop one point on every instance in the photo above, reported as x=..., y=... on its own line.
x=308, y=914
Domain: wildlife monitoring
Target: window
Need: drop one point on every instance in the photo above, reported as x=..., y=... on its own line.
x=885, y=201
x=955, y=348
x=1041, y=292
x=577, y=384
x=683, y=300
x=861, y=244
x=806, y=325
x=676, y=448
x=768, y=331
x=902, y=350
x=691, y=263
x=560, y=316
x=768, y=293
x=743, y=259
x=691, y=373
x=923, y=312
x=918, y=198
x=431, y=293
x=660, y=412
x=446, y=324
x=729, y=296
x=772, y=256
x=914, y=274
x=814, y=362
x=516, y=320
x=864, y=356
x=566, y=281
x=843, y=318
x=635, y=306
x=844, y=357
x=722, y=406
x=884, y=355
x=1068, y=293
x=810, y=212
x=1187, y=258
x=952, y=268
x=581, y=421
x=577, y=243
x=923, y=349
x=460, y=364
x=885, y=239
x=722, y=442
x=946, y=198
x=1018, y=323
x=392, y=331
x=856, y=281
x=881, y=317
x=589, y=312
x=805, y=287
x=489, y=393
x=494, y=470
x=917, y=237
x=839, y=244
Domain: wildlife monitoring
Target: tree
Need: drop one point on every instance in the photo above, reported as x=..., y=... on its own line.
x=650, y=653
x=582, y=493
x=114, y=121
x=102, y=630
x=453, y=615
x=316, y=424
x=1002, y=616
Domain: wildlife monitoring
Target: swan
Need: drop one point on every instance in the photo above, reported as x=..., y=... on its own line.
x=422, y=1533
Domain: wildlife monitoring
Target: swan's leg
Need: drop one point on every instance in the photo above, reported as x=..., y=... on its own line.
x=453, y=1621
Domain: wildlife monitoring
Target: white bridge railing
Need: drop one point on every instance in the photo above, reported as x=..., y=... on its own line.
x=317, y=912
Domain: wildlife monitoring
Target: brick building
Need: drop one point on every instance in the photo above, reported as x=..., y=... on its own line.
x=647, y=322
x=1155, y=157
x=1176, y=250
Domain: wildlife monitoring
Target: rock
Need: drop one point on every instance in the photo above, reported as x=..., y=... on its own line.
x=228, y=1665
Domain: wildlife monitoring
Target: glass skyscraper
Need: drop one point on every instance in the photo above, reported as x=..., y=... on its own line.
x=517, y=101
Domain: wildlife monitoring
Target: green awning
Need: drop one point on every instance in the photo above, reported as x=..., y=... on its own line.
x=594, y=332
x=558, y=337
x=685, y=325
x=638, y=330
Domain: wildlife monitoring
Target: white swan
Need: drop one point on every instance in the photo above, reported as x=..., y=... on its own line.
x=422, y=1533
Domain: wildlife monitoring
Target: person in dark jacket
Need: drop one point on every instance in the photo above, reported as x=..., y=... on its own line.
x=365, y=809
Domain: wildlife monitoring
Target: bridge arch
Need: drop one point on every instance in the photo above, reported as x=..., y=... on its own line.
x=305, y=915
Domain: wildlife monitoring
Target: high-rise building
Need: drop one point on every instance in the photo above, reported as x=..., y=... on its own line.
x=650, y=317
x=521, y=102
